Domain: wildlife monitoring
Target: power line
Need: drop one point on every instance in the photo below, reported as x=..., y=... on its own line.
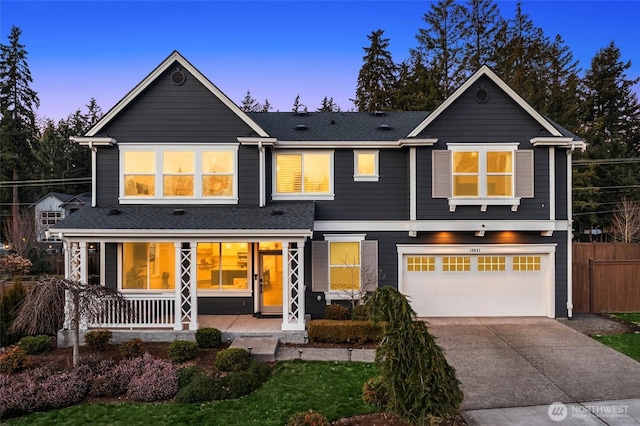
x=43, y=182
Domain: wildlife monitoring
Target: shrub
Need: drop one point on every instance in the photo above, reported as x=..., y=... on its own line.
x=158, y=381
x=232, y=359
x=208, y=337
x=41, y=266
x=14, y=359
x=360, y=313
x=336, y=312
x=106, y=379
x=34, y=345
x=356, y=332
x=374, y=392
x=240, y=383
x=202, y=388
x=187, y=374
x=132, y=349
x=182, y=350
x=98, y=340
x=9, y=303
x=260, y=369
x=307, y=418
x=63, y=389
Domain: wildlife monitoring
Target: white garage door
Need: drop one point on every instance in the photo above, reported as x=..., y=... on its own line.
x=491, y=283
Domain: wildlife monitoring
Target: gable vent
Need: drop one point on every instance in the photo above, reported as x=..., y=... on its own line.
x=178, y=77
x=301, y=127
x=481, y=95
x=384, y=127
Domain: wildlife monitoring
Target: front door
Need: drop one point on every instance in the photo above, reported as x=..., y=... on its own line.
x=271, y=282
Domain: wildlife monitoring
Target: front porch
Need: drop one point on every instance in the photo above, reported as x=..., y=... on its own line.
x=232, y=327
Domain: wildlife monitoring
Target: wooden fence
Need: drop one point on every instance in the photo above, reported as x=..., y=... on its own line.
x=606, y=277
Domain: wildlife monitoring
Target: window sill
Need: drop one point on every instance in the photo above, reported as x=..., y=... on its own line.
x=484, y=202
x=366, y=178
x=330, y=296
x=223, y=293
x=172, y=201
x=308, y=197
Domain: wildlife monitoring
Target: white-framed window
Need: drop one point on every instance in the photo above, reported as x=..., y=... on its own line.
x=483, y=174
x=148, y=266
x=188, y=174
x=47, y=220
x=304, y=175
x=366, y=165
x=344, y=265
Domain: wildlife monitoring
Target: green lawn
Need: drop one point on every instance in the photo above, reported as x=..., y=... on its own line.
x=627, y=343
x=332, y=388
x=632, y=317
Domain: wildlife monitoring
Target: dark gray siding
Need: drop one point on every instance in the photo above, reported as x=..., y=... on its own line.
x=176, y=114
x=500, y=120
x=107, y=176
x=111, y=265
x=386, y=199
x=388, y=258
x=225, y=305
x=561, y=184
x=248, y=175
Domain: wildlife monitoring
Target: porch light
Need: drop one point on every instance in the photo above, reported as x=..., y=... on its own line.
x=249, y=349
x=299, y=353
x=350, y=350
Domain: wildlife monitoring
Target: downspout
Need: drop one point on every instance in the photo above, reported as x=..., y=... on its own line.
x=94, y=161
x=261, y=154
x=570, y=233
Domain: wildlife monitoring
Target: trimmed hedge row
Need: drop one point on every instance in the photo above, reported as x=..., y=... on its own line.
x=348, y=331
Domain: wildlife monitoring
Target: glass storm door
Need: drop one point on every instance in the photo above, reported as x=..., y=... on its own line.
x=271, y=282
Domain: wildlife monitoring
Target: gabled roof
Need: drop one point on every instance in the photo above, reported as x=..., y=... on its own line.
x=339, y=126
x=277, y=217
x=84, y=198
x=59, y=195
x=486, y=71
x=171, y=59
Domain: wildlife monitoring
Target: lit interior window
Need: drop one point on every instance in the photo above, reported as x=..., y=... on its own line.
x=139, y=173
x=344, y=266
x=148, y=266
x=222, y=266
x=178, y=173
x=303, y=173
x=217, y=173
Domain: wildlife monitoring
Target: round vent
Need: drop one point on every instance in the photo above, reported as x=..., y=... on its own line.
x=481, y=95
x=178, y=78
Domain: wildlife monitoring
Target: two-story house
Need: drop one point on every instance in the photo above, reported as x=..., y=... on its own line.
x=200, y=208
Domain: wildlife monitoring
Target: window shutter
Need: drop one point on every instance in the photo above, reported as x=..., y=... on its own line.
x=369, y=267
x=524, y=173
x=320, y=265
x=441, y=174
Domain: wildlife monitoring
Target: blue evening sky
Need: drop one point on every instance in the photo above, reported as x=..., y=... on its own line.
x=275, y=49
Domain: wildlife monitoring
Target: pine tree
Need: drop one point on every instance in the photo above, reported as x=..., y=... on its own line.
x=377, y=77
x=249, y=104
x=561, y=103
x=482, y=17
x=297, y=105
x=328, y=105
x=18, y=129
x=266, y=106
x=417, y=89
x=442, y=43
x=610, y=123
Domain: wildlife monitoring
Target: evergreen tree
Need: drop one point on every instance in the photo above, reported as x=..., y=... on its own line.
x=521, y=57
x=610, y=123
x=266, y=106
x=417, y=89
x=442, y=43
x=377, y=77
x=297, y=106
x=561, y=102
x=328, y=105
x=249, y=104
x=482, y=23
x=18, y=129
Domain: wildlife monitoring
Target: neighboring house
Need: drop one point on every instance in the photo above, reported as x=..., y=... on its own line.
x=54, y=207
x=200, y=208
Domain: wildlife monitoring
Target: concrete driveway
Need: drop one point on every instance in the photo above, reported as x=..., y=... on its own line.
x=524, y=362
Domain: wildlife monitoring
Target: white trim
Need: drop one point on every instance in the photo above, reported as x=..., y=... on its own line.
x=485, y=71
x=93, y=141
x=372, y=177
x=350, y=144
x=413, y=186
x=440, y=225
x=552, y=183
x=203, y=235
x=562, y=142
x=569, y=234
x=341, y=238
x=155, y=74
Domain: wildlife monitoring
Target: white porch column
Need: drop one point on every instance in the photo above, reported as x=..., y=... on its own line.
x=193, y=285
x=186, y=294
x=293, y=308
x=177, y=325
x=84, y=263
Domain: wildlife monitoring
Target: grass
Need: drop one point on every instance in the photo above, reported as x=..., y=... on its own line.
x=627, y=343
x=332, y=388
x=632, y=317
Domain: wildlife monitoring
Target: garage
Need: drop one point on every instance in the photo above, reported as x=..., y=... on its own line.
x=479, y=280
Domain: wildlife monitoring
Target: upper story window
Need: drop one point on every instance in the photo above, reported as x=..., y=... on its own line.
x=483, y=174
x=47, y=220
x=365, y=165
x=190, y=174
x=303, y=175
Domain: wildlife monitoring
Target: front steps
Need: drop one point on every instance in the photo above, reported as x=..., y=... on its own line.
x=261, y=348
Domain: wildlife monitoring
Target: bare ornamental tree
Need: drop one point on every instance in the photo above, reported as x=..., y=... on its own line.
x=625, y=225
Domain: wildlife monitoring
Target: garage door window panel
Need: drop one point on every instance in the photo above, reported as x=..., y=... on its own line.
x=421, y=264
x=491, y=263
x=526, y=263
x=456, y=264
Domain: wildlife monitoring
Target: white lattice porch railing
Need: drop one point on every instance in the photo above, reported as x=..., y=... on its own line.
x=145, y=311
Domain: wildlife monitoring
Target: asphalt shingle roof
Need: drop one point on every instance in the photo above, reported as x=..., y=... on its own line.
x=339, y=126
x=283, y=215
